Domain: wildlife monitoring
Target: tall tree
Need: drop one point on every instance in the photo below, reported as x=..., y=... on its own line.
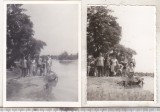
x=63, y=56
x=121, y=50
x=20, y=41
x=103, y=31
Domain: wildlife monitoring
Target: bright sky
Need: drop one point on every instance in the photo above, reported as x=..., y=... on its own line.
x=138, y=33
x=55, y=24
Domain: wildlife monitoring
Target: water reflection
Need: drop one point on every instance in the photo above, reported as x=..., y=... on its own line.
x=66, y=62
x=148, y=83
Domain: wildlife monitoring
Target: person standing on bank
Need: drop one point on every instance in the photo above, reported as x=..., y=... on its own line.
x=114, y=63
x=107, y=66
x=24, y=67
x=49, y=64
x=28, y=66
x=33, y=63
x=100, y=64
x=39, y=64
x=44, y=63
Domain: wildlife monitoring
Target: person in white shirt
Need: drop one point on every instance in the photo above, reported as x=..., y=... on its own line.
x=33, y=64
x=114, y=63
x=49, y=64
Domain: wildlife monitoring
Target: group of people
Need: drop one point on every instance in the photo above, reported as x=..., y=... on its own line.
x=110, y=66
x=35, y=66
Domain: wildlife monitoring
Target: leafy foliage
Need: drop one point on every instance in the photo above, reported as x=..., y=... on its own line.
x=120, y=50
x=103, y=32
x=20, y=41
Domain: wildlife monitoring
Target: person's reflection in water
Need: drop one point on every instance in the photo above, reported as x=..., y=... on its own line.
x=65, y=62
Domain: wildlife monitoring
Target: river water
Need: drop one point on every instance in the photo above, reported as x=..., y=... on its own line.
x=67, y=86
x=148, y=83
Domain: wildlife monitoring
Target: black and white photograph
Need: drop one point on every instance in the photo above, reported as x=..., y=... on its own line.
x=42, y=52
x=121, y=53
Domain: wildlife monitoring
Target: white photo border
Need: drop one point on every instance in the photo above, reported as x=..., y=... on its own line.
x=42, y=103
x=1, y=50
x=86, y=103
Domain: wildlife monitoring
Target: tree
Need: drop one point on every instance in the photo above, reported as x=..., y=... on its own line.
x=103, y=32
x=63, y=56
x=120, y=50
x=20, y=41
x=66, y=56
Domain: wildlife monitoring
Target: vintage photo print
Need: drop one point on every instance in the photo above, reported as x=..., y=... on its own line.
x=42, y=53
x=121, y=53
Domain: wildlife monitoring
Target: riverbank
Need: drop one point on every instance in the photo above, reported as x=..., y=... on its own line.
x=33, y=88
x=109, y=89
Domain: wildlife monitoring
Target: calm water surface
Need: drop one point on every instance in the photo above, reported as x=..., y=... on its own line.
x=148, y=83
x=67, y=86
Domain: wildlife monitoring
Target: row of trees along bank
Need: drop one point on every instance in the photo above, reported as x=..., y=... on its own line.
x=20, y=35
x=104, y=33
x=63, y=56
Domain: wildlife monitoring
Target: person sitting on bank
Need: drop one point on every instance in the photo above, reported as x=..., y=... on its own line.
x=119, y=70
x=131, y=70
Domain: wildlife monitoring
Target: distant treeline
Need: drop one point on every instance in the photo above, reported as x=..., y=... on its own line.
x=63, y=56
x=144, y=74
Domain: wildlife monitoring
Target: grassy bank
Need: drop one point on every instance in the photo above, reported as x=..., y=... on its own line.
x=109, y=89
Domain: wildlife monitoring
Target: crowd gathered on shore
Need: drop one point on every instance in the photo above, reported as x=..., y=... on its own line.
x=35, y=66
x=109, y=65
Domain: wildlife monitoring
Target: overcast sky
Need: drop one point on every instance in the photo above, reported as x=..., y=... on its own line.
x=55, y=24
x=138, y=33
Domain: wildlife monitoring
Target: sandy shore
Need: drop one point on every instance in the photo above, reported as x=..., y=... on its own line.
x=109, y=89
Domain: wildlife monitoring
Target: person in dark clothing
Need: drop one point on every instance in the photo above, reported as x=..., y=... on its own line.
x=24, y=67
x=100, y=65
